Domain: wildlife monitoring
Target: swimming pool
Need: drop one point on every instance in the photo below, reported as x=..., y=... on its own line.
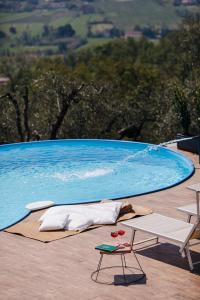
x=79, y=171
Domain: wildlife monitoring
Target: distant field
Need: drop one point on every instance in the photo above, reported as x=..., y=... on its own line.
x=30, y=49
x=125, y=15
x=93, y=42
x=61, y=21
x=32, y=29
x=80, y=23
x=12, y=17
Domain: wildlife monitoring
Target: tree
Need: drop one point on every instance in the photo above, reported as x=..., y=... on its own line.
x=46, y=30
x=65, y=31
x=62, y=47
x=186, y=43
x=24, y=134
x=181, y=107
x=61, y=93
x=13, y=30
x=150, y=88
x=2, y=34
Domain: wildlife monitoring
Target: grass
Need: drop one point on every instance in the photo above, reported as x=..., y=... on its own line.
x=127, y=14
x=12, y=17
x=61, y=21
x=94, y=42
x=30, y=49
x=80, y=23
x=21, y=27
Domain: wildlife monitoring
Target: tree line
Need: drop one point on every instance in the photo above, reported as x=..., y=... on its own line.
x=137, y=90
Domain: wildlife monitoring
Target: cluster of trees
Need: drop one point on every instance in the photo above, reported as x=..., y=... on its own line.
x=63, y=37
x=153, y=32
x=126, y=88
x=61, y=32
x=2, y=35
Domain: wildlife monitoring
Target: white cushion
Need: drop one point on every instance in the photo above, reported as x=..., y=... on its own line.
x=54, y=222
x=39, y=205
x=105, y=213
x=77, y=221
x=61, y=209
x=100, y=213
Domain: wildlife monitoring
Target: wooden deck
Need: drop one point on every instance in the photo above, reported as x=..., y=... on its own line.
x=61, y=270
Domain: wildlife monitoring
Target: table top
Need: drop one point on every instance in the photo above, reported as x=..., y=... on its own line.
x=190, y=209
x=195, y=187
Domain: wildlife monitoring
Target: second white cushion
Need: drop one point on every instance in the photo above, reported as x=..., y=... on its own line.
x=54, y=222
x=104, y=213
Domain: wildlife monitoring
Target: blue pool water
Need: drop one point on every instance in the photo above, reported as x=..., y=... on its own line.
x=74, y=171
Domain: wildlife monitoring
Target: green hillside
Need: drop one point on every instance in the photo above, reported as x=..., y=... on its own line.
x=127, y=14
x=22, y=26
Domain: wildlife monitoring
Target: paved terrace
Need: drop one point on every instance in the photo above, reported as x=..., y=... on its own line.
x=61, y=269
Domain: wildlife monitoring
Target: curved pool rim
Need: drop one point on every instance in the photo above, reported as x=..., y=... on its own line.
x=189, y=161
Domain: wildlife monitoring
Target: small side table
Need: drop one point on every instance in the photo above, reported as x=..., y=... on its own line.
x=190, y=210
x=135, y=274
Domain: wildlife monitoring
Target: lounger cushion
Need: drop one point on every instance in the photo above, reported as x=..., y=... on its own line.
x=54, y=222
x=100, y=213
x=78, y=222
x=62, y=209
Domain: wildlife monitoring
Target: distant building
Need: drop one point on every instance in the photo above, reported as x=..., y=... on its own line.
x=4, y=80
x=185, y=2
x=56, y=5
x=136, y=34
x=100, y=29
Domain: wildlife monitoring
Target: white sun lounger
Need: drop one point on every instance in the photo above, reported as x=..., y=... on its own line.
x=177, y=231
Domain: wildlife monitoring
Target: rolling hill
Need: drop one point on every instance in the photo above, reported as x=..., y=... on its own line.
x=33, y=25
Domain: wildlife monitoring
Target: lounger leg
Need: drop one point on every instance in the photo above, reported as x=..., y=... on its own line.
x=189, y=218
x=189, y=258
x=138, y=261
x=99, y=266
x=123, y=268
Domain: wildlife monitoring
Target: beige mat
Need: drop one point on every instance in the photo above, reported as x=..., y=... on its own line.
x=29, y=227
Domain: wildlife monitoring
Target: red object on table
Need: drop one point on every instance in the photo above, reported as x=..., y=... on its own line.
x=114, y=234
x=121, y=232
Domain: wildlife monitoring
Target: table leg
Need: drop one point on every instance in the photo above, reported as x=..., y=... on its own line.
x=99, y=265
x=123, y=268
x=124, y=261
x=189, y=218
